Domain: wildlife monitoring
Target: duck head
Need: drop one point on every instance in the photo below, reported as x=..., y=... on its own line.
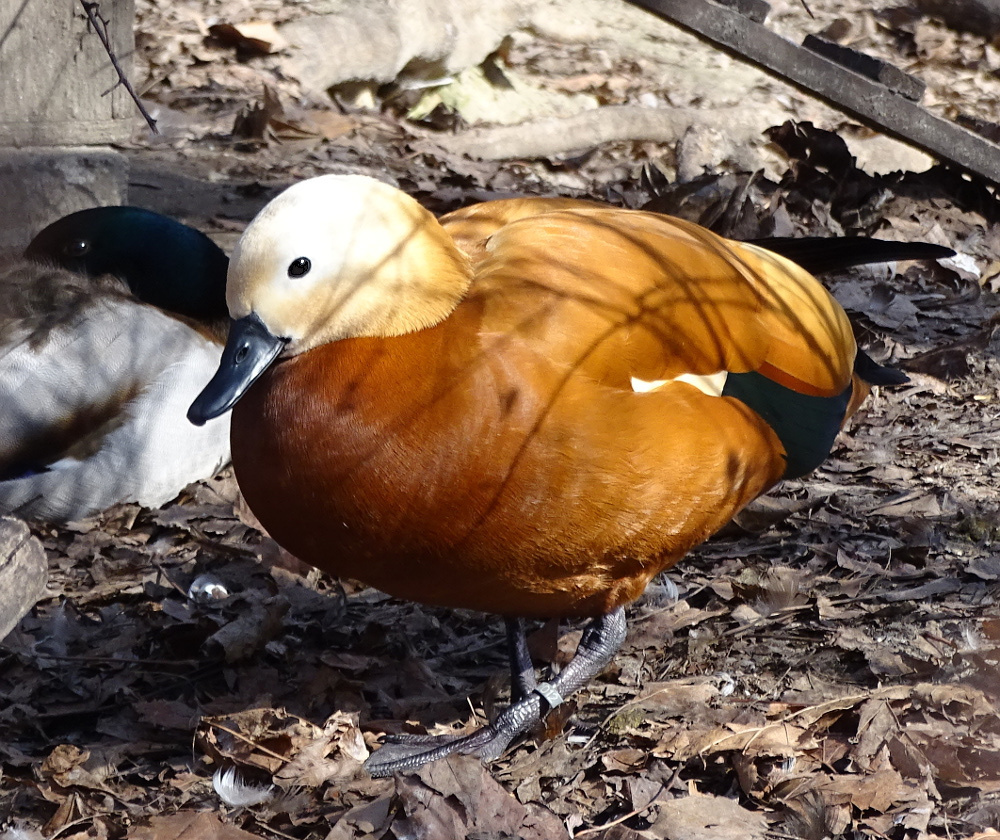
x=165, y=263
x=333, y=257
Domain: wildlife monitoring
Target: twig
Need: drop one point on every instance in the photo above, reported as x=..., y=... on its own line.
x=265, y=827
x=82, y=820
x=246, y=740
x=119, y=660
x=100, y=25
x=594, y=829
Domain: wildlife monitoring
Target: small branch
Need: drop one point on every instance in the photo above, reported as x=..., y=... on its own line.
x=100, y=25
x=654, y=801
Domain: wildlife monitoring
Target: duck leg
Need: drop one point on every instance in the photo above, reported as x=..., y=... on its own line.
x=522, y=682
x=601, y=640
x=522, y=672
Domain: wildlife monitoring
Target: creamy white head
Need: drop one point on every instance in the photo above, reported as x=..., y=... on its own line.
x=343, y=256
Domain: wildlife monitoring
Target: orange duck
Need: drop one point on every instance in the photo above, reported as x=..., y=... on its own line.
x=529, y=407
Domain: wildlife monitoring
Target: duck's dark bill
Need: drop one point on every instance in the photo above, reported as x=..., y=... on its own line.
x=250, y=349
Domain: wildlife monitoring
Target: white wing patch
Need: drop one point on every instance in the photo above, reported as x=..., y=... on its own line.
x=709, y=383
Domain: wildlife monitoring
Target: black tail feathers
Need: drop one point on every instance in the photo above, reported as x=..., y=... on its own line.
x=875, y=374
x=817, y=254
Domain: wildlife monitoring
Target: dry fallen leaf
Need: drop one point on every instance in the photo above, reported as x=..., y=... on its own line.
x=188, y=824
x=458, y=797
x=700, y=817
x=336, y=752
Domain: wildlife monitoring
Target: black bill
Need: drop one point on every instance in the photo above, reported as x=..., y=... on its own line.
x=250, y=349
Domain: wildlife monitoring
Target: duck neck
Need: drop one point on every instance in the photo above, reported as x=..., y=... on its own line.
x=429, y=276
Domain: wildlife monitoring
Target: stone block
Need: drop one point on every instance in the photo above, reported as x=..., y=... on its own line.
x=24, y=572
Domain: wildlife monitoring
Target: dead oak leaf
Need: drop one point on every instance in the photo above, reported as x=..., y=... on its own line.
x=877, y=792
x=879, y=301
x=708, y=818
x=773, y=739
x=294, y=751
x=261, y=738
x=684, y=698
x=63, y=759
x=457, y=797
x=876, y=725
x=187, y=824
x=68, y=766
x=367, y=820
x=335, y=752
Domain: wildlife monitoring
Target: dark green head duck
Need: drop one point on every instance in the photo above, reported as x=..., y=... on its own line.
x=165, y=263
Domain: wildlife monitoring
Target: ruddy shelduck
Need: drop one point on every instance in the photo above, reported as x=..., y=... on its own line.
x=529, y=407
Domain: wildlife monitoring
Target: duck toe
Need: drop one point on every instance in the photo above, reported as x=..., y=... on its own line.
x=403, y=753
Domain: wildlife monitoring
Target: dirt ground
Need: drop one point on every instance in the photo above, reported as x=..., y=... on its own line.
x=825, y=667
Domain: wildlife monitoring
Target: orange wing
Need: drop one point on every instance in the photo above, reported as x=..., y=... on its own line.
x=627, y=294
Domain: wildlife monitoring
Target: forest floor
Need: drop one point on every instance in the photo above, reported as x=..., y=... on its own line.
x=825, y=667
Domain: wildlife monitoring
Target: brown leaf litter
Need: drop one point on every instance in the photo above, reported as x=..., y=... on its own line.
x=827, y=666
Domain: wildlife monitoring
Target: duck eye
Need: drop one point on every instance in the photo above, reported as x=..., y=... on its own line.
x=299, y=267
x=76, y=247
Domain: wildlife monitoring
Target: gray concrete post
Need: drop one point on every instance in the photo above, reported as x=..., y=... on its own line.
x=57, y=116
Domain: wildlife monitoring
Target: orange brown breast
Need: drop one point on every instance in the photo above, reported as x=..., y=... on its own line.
x=490, y=480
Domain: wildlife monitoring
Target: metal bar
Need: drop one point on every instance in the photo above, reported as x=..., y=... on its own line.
x=866, y=100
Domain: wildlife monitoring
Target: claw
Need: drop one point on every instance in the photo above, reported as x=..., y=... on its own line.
x=413, y=740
